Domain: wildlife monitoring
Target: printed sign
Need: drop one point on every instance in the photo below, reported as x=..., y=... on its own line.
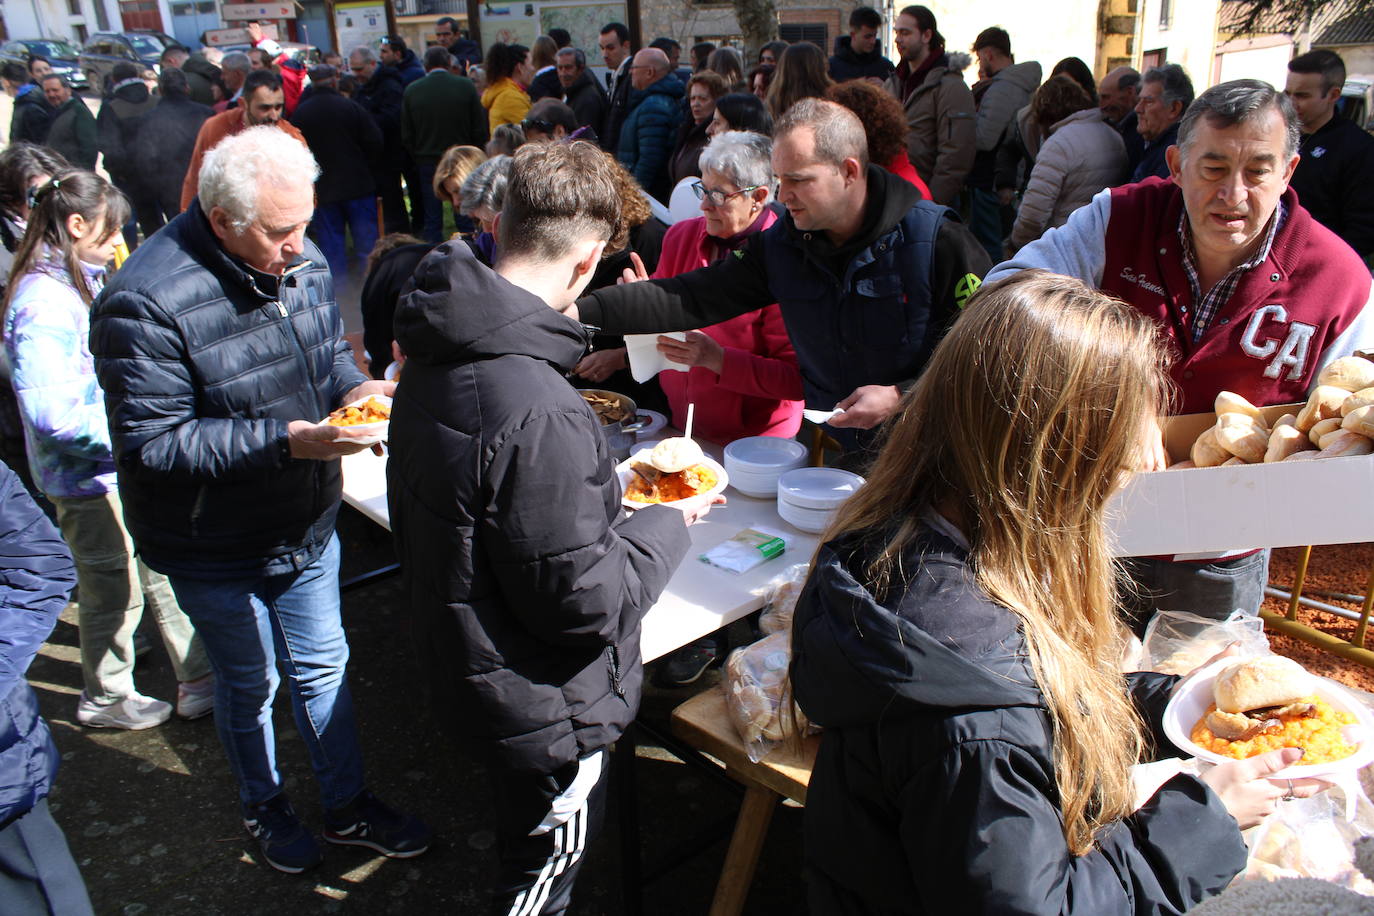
x=250, y=12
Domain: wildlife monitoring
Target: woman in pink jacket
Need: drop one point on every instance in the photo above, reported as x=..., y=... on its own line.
x=742, y=374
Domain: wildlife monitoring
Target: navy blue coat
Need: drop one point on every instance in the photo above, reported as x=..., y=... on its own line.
x=649, y=133
x=36, y=577
x=204, y=363
x=409, y=68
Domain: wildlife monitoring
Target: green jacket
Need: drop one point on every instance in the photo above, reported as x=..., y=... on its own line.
x=438, y=111
x=73, y=133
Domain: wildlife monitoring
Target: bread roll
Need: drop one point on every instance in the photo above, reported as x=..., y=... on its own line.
x=1230, y=402
x=1360, y=420
x=1329, y=425
x=1182, y=465
x=1347, y=444
x=1284, y=441
x=1349, y=372
x=1233, y=461
x=1257, y=683
x=1304, y=455
x=1361, y=398
x=1324, y=402
x=1241, y=436
x=1288, y=419
x=1330, y=438
x=1206, y=452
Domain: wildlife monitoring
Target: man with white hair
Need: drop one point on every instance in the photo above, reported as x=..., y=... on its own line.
x=220, y=347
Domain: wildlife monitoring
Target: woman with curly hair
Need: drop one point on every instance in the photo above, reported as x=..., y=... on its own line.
x=801, y=75
x=884, y=124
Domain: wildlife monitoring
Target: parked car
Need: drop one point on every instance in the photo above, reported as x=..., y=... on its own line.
x=60, y=54
x=1355, y=101
x=309, y=55
x=105, y=49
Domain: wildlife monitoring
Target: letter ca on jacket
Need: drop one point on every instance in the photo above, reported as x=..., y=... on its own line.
x=1287, y=351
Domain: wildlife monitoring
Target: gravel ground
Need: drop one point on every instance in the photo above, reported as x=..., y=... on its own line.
x=152, y=820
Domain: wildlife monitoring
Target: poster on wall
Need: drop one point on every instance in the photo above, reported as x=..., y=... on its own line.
x=359, y=23
x=583, y=22
x=510, y=23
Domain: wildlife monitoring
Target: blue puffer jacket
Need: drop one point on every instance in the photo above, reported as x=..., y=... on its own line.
x=204, y=362
x=35, y=579
x=646, y=139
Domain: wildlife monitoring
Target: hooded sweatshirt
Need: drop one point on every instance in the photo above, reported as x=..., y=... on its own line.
x=848, y=64
x=934, y=788
x=524, y=575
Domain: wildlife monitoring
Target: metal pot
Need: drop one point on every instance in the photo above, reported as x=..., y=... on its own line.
x=620, y=434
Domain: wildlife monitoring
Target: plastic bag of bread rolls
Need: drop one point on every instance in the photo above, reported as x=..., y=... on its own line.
x=783, y=591
x=758, y=696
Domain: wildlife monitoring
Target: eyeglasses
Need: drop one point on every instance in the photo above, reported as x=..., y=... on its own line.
x=537, y=124
x=716, y=197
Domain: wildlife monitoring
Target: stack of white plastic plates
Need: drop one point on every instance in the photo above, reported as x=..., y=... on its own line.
x=755, y=463
x=809, y=497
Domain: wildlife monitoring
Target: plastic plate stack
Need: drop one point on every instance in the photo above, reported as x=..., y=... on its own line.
x=809, y=497
x=755, y=463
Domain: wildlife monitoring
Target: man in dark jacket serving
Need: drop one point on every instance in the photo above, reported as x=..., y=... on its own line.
x=867, y=274
x=526, y=578
x=220, y=348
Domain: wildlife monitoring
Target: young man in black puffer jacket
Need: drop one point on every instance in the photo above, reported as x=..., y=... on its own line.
x=526, y=578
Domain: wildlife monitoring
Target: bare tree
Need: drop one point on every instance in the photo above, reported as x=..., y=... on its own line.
x=1251, y=17
x=758, y=22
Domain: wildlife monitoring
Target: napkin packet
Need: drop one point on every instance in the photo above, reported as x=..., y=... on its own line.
x=747, y=549
x=645, y=360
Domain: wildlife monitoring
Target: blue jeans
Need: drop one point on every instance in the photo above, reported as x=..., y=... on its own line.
x=249, y=627
x=360, y=217
x=985, y=221
x=1206, y=589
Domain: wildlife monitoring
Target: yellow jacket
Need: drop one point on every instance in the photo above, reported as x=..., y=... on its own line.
x=506, y=103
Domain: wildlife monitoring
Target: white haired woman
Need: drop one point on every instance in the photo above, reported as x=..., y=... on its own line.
x=481, y=197
x=741, y=374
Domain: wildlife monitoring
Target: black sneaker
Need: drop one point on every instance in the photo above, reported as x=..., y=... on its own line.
x=286, y=844
x=366, y=821
x=686, y=665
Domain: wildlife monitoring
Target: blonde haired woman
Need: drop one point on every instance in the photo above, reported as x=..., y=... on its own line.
x=959, y=641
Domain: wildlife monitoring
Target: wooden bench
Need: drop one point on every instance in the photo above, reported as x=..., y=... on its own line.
x=704, y=723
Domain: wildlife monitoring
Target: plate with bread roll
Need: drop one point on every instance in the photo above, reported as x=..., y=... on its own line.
x=1235, y=709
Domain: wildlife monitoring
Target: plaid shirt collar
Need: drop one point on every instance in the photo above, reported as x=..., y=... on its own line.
x=1206, y=306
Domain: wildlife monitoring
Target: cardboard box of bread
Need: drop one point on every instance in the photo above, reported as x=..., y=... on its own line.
x=1246, y=477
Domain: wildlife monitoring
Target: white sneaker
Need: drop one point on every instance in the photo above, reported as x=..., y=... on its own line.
x=134, y=712
x=196, y=699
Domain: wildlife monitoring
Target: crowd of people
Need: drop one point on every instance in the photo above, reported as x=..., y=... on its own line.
x=965, y=274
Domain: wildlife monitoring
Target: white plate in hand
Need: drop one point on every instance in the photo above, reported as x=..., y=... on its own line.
x=1194, y=695
x=626, y=475
x=366, y=433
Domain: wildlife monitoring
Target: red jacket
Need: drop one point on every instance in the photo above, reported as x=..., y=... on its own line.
x=1307, y=304
x=759, y=389
x=901, y=167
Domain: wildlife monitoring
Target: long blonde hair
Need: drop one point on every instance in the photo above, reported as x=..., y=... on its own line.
x=1023, y=424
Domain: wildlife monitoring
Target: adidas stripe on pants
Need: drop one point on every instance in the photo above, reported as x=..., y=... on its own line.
x=544, y=824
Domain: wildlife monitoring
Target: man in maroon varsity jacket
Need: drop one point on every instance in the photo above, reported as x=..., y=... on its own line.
x=1254, y=295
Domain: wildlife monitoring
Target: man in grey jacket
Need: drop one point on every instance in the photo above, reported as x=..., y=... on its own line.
x=1004, y=89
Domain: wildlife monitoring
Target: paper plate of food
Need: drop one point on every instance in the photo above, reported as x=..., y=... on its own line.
x=675, y=469
x=1240, y=708
x=367, y=419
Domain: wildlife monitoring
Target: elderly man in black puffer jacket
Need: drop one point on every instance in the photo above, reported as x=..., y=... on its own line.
x=219, y=348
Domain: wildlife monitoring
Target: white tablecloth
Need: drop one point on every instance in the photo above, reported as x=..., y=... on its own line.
x=699, y=599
